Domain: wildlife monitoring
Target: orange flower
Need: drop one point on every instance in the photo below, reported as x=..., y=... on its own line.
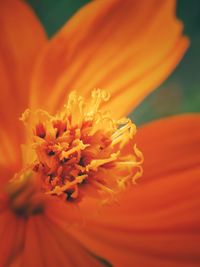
x=127, y=49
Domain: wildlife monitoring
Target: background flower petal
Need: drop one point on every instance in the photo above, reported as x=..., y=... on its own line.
x=21, y=39
x=126, y=48
x=156, y=223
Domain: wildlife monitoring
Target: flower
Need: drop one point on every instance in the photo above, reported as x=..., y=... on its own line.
x=127, y=49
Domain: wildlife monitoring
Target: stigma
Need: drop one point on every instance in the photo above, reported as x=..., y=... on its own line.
x=82, y=150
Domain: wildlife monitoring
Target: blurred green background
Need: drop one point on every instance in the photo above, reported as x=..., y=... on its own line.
x=181, y=92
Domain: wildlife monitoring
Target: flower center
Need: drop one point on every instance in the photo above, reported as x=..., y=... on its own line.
x=83, y=148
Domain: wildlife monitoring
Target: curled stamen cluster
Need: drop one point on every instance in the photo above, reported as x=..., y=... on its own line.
x=82, y=147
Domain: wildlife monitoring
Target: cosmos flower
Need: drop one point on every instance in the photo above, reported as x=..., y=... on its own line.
x=57, y=205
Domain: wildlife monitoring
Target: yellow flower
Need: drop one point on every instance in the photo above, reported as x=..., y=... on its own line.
x=73, y=150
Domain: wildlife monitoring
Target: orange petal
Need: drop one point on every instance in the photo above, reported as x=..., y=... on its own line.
x=10, y=130
x=60, y=249
x=47, y=245
x=157, y=222
x=39, y=241
x=11, y=238
x=10, y=154
x=21, y=39
x=127, y=48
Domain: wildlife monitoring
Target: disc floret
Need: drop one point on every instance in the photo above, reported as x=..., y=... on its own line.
x=82, y=148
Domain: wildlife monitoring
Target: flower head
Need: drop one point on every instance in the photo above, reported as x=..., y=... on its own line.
x=82, y=147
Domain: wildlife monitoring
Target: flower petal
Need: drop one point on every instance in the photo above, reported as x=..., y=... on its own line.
x=11, y=237
x=156, y=223
x=21, y=39
x=39, y=241
x=127, y=48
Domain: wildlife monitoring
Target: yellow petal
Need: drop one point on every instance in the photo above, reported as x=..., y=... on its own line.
x=127, y=48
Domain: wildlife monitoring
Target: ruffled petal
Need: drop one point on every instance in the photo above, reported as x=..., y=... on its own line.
x=21, y=39
x=127, y=48
x=157, y=222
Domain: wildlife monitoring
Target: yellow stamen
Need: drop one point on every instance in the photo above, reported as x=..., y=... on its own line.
x=95, y=163
x=82, y=146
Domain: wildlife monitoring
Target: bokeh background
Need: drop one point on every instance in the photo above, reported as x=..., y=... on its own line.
x=180, y=92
